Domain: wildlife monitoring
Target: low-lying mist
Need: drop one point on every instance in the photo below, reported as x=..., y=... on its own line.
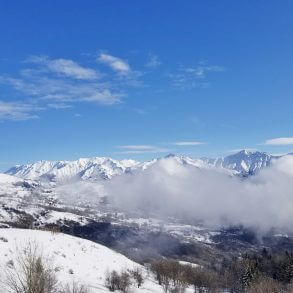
x=262, y=201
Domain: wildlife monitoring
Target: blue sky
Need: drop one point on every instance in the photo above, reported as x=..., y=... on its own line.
x=141, y=79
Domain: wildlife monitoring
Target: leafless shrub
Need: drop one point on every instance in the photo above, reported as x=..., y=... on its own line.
x=112, y=280
x=74, y=288
x=137, y=276
x=171, y=275
x=125, y=282
x=162, y=274
x=265, y=285
x=32, y=273
x=175, y=277
x=116, y=281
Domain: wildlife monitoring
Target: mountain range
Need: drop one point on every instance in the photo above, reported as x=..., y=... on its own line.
x=97, y=168
x=67, y=195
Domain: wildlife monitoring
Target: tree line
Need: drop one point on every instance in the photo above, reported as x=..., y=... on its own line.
x=260, y=272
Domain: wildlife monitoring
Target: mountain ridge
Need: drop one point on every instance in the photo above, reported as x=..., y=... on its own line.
x=103, y=168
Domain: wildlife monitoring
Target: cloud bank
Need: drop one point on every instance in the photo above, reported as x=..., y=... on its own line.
x=169, y=188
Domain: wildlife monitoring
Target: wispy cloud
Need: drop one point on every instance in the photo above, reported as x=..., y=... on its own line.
x=139, y=111
x=190, y=77
x=233, y=151
x=280, y=141
x=43, y=88
x=202, y=70
x=153, y=61
x=117, y=64
x=62, y=82
x=66, y=67
x=18, y=111
x=187, y=143
x=59, y=106
x=138, y=149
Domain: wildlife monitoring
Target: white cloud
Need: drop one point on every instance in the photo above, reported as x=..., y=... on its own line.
x=66, y=67
x=169, y=188
x=139, y=149
x=153, y=61
x=35, y=84
x=17, y=111
x=280, y=141
x=59, y=83
x=117, y=64
x=242, y=149
x=59, y=106
x=187, y=143
x=201, y=70
x=190, y=77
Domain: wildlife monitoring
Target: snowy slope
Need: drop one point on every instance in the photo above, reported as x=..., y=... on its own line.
x=6, y=179
x=14, y=186
x=76, y=259
x=26, y=200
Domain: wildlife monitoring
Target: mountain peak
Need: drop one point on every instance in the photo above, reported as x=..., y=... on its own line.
x=170, y=156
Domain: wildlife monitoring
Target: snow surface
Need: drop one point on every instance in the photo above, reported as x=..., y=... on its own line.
x=13, y=186
x=88, y=261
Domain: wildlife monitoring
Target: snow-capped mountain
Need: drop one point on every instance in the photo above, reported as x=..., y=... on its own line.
x=62, y=171
x=91, y=168
x=182, y=160
x=243, y=162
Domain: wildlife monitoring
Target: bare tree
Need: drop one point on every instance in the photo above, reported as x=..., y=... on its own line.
x=265, y=285
x=116, y=281
x=171, y=275
x=74, y=287
x=137, y=276
x=31, y=273
x=112, y=281
x=125, y=282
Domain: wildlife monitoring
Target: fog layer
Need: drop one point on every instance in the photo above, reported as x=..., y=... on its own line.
x=167, y=188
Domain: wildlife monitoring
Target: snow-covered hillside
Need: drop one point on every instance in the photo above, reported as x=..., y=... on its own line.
x=15, y=186
x=26, y=201
x=75, y=259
